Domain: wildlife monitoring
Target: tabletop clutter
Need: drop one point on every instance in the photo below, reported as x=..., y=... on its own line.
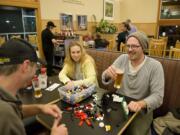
x=39, y=82
x=93, y=111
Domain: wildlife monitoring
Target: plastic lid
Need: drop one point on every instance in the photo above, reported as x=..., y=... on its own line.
x=43, y=70
x=35, y=78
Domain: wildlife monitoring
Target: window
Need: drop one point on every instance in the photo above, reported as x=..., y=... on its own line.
x=17, y=22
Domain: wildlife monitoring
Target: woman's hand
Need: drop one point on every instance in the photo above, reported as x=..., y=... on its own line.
x=69, y=85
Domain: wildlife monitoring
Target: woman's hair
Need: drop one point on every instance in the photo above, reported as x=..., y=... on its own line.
x=68, y=58
x=70, y=62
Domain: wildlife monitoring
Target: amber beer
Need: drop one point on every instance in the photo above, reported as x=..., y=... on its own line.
x=36, y=86
x=37, y=93
x=118, y=80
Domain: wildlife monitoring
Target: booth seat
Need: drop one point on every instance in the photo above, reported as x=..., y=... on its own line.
x=104, y=59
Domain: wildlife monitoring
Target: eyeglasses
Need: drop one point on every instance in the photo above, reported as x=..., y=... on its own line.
x=133, y=46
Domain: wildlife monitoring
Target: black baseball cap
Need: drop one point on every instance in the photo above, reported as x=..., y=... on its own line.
x=15, y=51
x=50, y=23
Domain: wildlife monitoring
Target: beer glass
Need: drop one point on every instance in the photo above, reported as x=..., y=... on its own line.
x=37, y=88
x=117, y=83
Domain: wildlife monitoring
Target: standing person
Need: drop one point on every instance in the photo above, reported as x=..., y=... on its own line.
x=17, y=67
x=143, y=80
x=79, y=67
x=121, y=38
x=132, y=26
x=48, y=43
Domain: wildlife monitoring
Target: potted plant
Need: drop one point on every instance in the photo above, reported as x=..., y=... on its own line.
x=106, y=27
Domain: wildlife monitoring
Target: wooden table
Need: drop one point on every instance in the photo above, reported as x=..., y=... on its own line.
x=115, y=118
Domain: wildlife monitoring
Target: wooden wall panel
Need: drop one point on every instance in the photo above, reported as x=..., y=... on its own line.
x=148, y=28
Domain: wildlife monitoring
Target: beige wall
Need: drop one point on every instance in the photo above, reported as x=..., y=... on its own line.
x=142, y=12
x=139, y=11
x=51, y=9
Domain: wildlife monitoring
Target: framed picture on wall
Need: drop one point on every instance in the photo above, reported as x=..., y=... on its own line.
x=66, y=21
x=108, y=9
x=74, y=1
x=82, y=22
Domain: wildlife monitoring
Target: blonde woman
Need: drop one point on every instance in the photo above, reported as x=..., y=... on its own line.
x=79, y=67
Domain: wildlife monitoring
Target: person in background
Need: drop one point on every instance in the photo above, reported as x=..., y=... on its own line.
x=100, y=44
x=121, y=38
x=48, y=43
x=88, y=37
x=132, y=26
x=88, y=40
x=17, y=68
x=143, y=81
x=79, y=68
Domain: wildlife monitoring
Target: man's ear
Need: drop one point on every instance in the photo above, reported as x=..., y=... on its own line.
x=25, y=66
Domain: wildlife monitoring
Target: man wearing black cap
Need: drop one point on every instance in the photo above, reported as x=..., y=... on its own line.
x=143, y=80
x=48, y=42
x=17, y=67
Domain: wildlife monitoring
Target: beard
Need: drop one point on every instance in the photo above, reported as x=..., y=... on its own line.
x=132, y=55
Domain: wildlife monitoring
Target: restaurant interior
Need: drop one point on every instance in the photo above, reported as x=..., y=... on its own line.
x=83, y=20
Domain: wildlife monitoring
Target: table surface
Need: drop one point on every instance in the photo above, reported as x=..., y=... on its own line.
x=115, y=118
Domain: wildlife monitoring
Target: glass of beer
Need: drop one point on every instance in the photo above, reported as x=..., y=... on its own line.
x=36, y=87
x=117, y=83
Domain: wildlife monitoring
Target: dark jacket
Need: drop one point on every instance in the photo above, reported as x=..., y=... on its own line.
x=121, y=38
x=47, y=37
x=101, y=43
x=11, y=115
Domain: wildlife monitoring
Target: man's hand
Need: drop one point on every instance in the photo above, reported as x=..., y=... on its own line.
x=136, y=106
x=30, y=110
x=52, y=110
x=58, y=129
x=57, y=42
x=111, y=72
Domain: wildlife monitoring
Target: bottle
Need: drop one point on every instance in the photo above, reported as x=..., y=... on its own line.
x=43, y=78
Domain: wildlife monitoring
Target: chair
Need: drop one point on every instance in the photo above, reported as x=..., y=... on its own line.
x=15, y=36
x=157, y=47
x=2, y=40
x=177, y=44
x=110, y=46
x=32, y=39
x=165, y=40
x=123, y=47
x=174, y=53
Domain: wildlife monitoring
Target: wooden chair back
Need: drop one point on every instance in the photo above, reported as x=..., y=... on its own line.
x=33, y=39
x=157, y=47
x=123, y=47
x=2, y=40
x=111, y=45
x=174, y=53
x=165, y=40
x=177, y=44
x=15, y=36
